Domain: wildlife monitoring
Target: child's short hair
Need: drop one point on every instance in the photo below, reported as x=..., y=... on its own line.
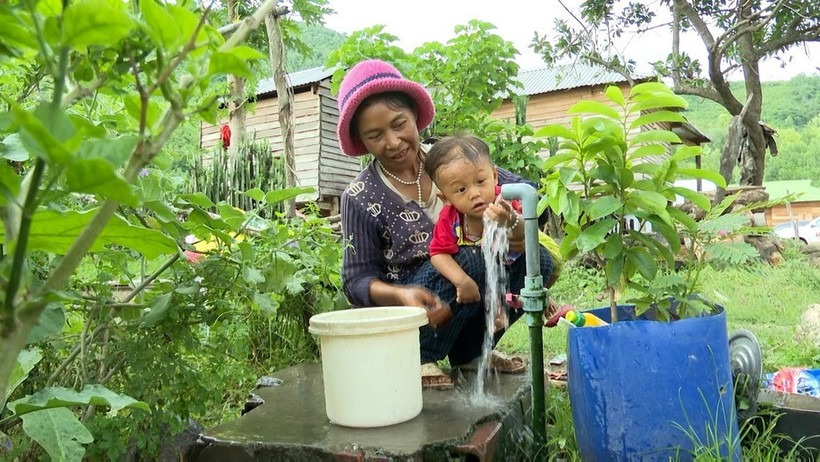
x=449, y=148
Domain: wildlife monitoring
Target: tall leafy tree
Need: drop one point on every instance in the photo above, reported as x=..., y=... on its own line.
x=466, y=76
x=736, y=35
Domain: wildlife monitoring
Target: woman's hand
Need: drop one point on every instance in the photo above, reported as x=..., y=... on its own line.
x=467, y=291
x=438, y=312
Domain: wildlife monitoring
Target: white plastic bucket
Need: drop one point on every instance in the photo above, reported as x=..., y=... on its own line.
x=371, y=364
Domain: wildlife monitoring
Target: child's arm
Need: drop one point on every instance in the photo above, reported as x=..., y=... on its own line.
x=466, y=288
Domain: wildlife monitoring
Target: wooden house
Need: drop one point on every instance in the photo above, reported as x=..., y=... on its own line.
x=320, y=163
x=551, y=91
x=805, y=207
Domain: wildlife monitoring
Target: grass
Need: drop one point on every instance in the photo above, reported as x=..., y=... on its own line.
x=766, y=300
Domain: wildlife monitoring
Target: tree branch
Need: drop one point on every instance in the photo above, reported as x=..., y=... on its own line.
x=794, y=37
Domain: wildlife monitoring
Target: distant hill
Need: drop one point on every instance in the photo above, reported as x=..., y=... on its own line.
x=791, y=107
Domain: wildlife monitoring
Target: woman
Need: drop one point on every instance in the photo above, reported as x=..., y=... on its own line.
x=388, y=214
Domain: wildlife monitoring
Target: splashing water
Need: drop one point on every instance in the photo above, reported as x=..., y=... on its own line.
x=494, y=250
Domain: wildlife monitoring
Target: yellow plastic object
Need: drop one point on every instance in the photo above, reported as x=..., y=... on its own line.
x=584, y=319
x=550, y=244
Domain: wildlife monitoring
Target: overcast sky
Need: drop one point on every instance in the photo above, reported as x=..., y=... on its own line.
x=418, y=21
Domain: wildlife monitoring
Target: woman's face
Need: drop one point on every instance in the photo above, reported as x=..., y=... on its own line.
x=389, y=132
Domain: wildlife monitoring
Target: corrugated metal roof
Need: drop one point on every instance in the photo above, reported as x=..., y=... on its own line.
x=563, y=77
x=266, y=87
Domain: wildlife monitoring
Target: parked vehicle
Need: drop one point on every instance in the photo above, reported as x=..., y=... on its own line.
x=808, y=231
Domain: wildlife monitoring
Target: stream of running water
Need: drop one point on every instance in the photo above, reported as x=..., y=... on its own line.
x=494, y=249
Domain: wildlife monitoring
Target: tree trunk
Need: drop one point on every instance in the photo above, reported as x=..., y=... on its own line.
x=752, y=164
x=236, y=101
x=285, y=98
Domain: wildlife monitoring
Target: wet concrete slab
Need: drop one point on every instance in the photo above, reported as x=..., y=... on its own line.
x=292, y=424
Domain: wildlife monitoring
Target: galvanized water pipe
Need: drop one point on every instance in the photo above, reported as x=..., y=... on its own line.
x=534, y=297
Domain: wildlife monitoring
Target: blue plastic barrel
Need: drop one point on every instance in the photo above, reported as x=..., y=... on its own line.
x=652, y=390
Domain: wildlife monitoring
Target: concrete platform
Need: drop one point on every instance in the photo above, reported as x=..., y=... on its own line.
x=292, y=425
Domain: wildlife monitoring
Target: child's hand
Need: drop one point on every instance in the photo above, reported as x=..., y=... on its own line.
x=467, y=292
x=501, y=212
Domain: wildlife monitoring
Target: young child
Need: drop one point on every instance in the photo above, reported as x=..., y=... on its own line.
x=466, y=178
x=467, y=182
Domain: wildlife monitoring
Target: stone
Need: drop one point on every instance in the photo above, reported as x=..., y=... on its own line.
x=809, y=328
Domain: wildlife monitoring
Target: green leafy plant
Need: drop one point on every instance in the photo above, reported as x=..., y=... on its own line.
x=613, y=183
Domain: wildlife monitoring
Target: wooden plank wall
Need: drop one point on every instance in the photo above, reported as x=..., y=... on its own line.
x=264, y=124
x=336, y=170
x=551, y=108
x=801, y=211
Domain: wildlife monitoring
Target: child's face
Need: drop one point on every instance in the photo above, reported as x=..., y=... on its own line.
x=469, y=187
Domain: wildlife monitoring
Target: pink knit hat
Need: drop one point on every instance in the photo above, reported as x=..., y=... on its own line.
x=369, y=78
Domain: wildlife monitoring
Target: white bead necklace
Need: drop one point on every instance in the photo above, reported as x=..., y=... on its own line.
x=406, y=183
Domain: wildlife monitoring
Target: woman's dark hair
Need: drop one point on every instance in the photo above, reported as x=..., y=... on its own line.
x=449, y=148
x=393, y=99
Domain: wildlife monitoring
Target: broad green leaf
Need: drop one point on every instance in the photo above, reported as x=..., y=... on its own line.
x=160, y=306
x=648, y=200
x=594, y=107
x=693, y=196
x=256, y=194
x=595, y=235
x=295, y=285
x=247, y=53
x=650, y=243
x=11, y=148
x=266, y=304
x=705, y=174
x=161, y=26
x=9, y=184
x=685, y=152
x=658, y=101
x=225, y=62
x=99, y=176
x=614, y=269
x=26, y=361
x=603, y=206
x=197, y=199
x=643, y=261
x=559, y=131
x=42, y=133
x=558, y=159
x=115, y=150
x=655, y=136
x=55, y=232
x=280, y=195
x=95, y=22
x=649, y=168
x=567, y=175
x=683, y=218
x=51, y=322
x=657, y=116
x=252, y=275
x=53, y=397
x=613, y=247
x=669, y=233
x=647, y=150
x=133, y=105
x=59, y=432
x=614, y=93
x=187, y=22
x=649, y=87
